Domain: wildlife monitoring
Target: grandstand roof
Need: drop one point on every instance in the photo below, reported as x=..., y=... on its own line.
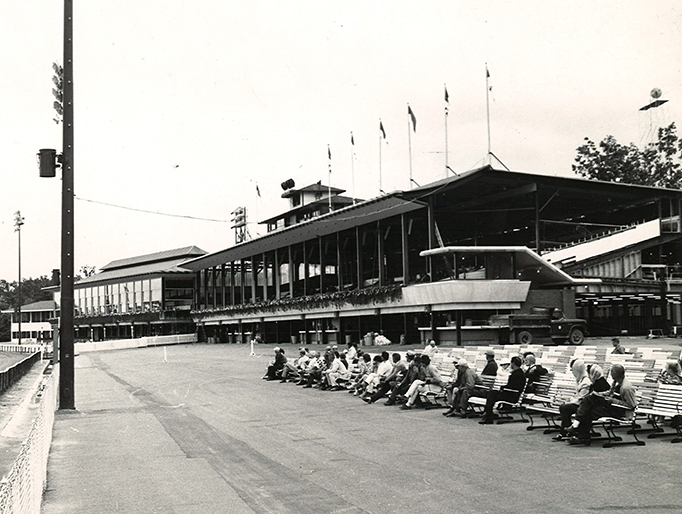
x=185, y=252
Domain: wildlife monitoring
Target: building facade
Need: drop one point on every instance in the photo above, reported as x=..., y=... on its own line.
x=367, y=267
x=139, y=296
x=35, y=322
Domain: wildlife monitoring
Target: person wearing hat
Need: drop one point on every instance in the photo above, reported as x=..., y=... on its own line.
x=617, y=348
x=490, y=368
x=459, y=395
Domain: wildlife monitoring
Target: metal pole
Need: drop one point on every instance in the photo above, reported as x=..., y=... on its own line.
x=487, y=105
x=18, y=222
x=66, y=348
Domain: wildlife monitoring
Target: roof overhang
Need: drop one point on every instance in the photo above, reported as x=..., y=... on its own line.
x=336, y=221
x=525, y=258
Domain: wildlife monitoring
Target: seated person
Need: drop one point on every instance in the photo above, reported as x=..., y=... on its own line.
x=460, y=394
x=337, y=370
x=617, y=348
x=490, y=368
x=314, y=369
x=387, y=382
x=430, y=348
x=362, y=369
x=431, y=382
x=276, y=366
x=384, y=367
x=509, y=393
x=351, y=352
x=596, y=405
x=368, y=377
x=582, y=389
x=294, y=368
x=671, y=374
x=413, y=370
x=533, y=371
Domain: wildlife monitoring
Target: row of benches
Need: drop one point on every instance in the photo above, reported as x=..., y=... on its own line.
x=656, y=402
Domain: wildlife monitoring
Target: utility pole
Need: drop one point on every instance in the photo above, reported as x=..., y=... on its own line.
x=18, y=222
x=66, y=348
x=47, y=163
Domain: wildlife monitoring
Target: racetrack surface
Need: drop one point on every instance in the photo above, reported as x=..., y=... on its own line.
x=152, y=422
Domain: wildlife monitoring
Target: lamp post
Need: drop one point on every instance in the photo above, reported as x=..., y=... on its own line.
x=18, y=222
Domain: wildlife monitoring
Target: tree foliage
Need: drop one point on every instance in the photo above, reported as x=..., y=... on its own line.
x=31, y=291
x=657, y=164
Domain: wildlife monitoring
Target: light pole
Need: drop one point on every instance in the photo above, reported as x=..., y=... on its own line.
x=47, y=163
x=18, y=222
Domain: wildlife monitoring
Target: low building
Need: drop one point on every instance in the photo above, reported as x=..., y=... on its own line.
x=146, y=295
x=35, y=322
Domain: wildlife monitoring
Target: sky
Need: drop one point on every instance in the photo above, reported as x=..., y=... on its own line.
x=188, y=108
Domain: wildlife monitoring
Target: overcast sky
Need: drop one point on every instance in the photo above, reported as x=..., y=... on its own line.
x=183, y=107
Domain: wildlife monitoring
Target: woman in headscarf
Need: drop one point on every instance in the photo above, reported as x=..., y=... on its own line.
x=599, y=383
x=671, y=374
x=582, y=389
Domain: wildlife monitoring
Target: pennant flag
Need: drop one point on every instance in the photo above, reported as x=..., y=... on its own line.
x=329, y=152
x=381, y=127
x=413, y=117
x=447, y=97
x=257, y=190
x=487, y=76
x=352, y=141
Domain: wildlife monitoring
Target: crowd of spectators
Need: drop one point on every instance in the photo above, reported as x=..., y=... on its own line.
x=402, y=381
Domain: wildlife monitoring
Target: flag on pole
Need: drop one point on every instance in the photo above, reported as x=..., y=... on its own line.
x=352, y=141
x=487, y=76
x=258, y=191
x=381, y=127
x=447, y=97
x=413, y=117
x=329, y=152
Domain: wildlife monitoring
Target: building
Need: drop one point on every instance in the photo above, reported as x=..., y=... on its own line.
x=370, y=266
x=138, y=296
x=35, y=322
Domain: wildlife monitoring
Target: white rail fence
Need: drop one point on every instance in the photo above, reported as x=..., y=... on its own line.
x=21, y=490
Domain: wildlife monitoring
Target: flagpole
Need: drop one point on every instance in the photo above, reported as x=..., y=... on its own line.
x=447, y=101
x=352, y=164
x=487, y=105
x=381, y=189
x=329, y=186
x=409, y=142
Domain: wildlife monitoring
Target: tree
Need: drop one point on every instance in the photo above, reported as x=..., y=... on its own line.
x=658, y=164
x=86, y=271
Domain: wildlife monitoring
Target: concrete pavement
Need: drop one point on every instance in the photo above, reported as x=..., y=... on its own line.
x=193, y=429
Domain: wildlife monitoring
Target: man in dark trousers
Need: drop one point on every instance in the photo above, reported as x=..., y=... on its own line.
x=509, y=393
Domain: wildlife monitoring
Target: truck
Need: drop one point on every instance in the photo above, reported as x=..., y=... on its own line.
x=546, y=323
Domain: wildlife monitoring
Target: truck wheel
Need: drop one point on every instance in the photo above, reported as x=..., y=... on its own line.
x=576, y=337
x=524, y=337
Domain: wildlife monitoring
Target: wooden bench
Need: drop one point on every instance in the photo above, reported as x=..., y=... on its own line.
x=661, y=401
x=546, y=406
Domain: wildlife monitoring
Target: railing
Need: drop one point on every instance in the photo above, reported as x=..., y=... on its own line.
x=21, y=490
x=14, y=372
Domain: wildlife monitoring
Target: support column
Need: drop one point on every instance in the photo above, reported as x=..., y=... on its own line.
x=358, y=257
x=405, y=249
x=380, y=255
